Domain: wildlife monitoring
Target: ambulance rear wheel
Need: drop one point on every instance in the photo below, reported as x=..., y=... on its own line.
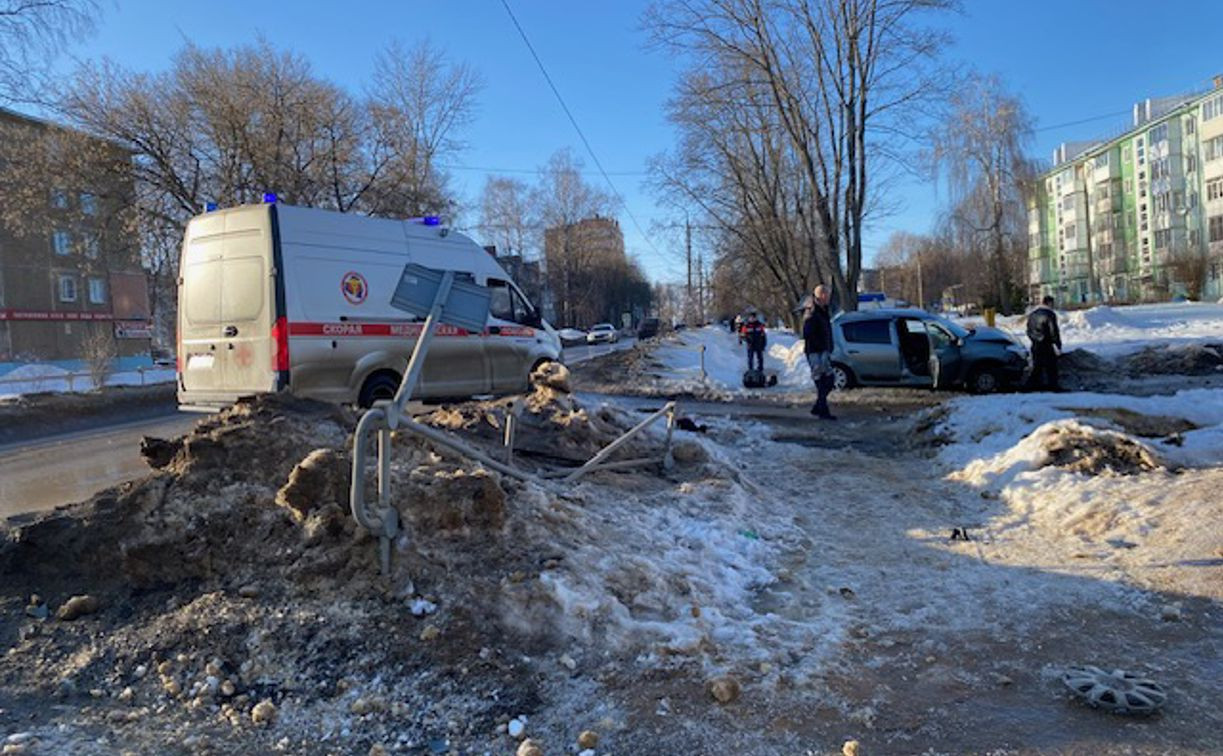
x=380, y=385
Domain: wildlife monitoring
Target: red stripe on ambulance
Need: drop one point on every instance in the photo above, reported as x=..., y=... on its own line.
x=397, y=330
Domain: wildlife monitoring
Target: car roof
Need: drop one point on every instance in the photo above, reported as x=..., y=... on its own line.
x=891, y=312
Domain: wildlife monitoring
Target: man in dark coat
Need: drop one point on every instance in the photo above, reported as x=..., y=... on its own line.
x=817, y=345
x=1046, y=346
x=754, y=336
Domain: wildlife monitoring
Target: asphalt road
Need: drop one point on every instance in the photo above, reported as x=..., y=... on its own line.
x=582, y=352
x=41, y=475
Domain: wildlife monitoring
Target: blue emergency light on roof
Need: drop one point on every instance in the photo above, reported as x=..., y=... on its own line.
x=210, y=206
x=431, y=220
x=269, y=198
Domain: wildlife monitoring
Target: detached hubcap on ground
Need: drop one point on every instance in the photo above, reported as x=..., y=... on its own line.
x=1119, y=691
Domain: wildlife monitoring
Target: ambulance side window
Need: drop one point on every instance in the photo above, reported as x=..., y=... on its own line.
x=522, y=312
x=500, y=305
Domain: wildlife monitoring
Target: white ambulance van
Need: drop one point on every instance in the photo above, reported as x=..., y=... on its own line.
x=274, y=297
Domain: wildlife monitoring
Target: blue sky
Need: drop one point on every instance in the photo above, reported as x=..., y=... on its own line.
x=1070, y=60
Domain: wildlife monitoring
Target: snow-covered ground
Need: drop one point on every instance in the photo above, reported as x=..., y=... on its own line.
x=1114, y=331
x=37, y=378
x=1151, y=515
x=725, y=361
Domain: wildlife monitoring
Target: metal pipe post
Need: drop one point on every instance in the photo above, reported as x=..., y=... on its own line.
x=417, y=362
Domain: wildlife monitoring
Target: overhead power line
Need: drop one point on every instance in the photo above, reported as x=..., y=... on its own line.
x=530, y=171
x=581, y=135
x=1082, y=121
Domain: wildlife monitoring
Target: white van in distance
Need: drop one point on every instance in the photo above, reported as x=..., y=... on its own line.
x=274, y=297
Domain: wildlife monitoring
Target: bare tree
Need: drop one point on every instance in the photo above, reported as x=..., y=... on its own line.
x=228, y=125
x=844, y=78
x=506, y=217
x=981, y=146
x=421, y=104
x=562, y=199
x=32, y=34
x=100, y=352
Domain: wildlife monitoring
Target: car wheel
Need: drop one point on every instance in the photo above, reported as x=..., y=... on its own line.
x=984, y=380
x=842, y=377
x=378, y=386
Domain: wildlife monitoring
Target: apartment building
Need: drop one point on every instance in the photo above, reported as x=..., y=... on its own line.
x=1138, y=216
x=70, y=272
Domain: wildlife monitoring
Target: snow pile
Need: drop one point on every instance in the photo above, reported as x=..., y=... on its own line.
x=1114, y=331
x=725, y=361
x=985, y=427
x=1067, y=444
x=240, y=549
x=1080, y=472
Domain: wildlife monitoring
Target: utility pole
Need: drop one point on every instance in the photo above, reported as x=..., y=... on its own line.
x=688, y=247
x=700, y=283
x=921, y=298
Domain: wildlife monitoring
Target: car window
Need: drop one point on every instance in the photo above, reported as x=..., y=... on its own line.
x=867, y=332
x=941, y=335
x=522, y=311
x=500, y=305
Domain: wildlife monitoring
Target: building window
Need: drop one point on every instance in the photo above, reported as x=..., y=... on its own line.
x=61, y=240
x=1162, y=202
x=59, y=199
x=1163, y=239
x=1102, y=160
x=1213, y=148
x=1214, y=189
x=1190, y=126
x=1158, y=134
x=67, y=289
x=89, y=204
x=1160, y=169
x=92, y=248
x=1194, y=237
x=97, y=290
x=1212, y=108
x=1129, y=186
x=1215, y=231
x=1068, y=202
x=1191, y=163
x=1070, y=231
x=1125, y=154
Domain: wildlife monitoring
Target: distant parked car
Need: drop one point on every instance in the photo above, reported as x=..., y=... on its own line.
x=915, y=348
x=571, y=336
x=648, y=328
x=602, y=333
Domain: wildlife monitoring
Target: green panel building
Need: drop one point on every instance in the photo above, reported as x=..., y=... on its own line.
x=1138, y=216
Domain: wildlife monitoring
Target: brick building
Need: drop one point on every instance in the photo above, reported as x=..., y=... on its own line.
x=72, y=272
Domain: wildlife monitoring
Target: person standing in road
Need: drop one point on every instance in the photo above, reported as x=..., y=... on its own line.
x=817, y=345
x=754, y=336
x=1046, y=346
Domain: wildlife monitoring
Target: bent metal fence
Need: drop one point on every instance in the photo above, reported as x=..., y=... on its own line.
x=443, y=298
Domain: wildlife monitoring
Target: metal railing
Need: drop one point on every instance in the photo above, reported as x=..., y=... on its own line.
x=47, y=382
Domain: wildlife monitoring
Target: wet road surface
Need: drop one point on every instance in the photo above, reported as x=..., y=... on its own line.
x=72, y=467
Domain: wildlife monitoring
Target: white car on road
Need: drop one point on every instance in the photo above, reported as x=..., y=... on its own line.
x=603, y=333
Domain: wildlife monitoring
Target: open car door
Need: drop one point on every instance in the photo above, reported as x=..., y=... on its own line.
x=946, y=364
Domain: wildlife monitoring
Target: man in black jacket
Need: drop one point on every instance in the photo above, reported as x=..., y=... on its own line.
x=1046, y=346
x=817, y=345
